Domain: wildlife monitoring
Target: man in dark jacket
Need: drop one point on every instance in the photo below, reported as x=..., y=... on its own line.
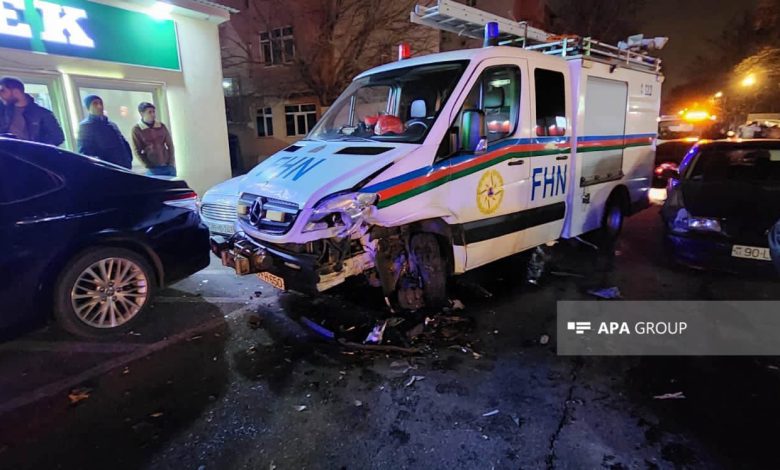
x=153, y=144
x=24, y=118
x=101, y=138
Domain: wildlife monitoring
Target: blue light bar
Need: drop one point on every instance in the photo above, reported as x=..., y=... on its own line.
x=491, y=34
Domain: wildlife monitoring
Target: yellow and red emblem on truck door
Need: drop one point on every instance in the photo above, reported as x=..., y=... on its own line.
x=490, y=192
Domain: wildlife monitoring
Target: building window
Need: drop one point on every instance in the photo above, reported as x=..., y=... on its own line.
x=300, y=118
x=265, y=123
x=278, y=46
x=230, y=86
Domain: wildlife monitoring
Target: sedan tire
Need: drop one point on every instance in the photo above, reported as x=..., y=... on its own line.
x=103, y=291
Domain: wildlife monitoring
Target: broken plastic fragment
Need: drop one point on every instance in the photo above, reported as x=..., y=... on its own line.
x=606, y=293
x=375, y=337
x=544, y=339
x=413, y=379
x=490, y=413
x=301, y=408
x=670, y=396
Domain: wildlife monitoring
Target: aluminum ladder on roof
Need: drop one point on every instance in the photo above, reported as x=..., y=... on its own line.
x=463, y=20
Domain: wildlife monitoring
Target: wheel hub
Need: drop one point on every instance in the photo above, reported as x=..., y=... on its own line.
x=109, y=292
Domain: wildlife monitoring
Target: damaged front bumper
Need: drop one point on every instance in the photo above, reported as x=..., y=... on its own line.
x=304, y=268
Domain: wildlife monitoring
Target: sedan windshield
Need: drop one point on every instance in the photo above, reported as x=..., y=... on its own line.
x=396, y=106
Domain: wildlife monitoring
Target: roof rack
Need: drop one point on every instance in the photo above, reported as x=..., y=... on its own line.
x=463, y=20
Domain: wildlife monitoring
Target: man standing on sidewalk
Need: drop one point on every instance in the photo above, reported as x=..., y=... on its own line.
x=101, y=138
x=152, y=143
x=24, y=118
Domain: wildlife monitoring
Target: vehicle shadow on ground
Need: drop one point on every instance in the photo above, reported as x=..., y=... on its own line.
x=121, y=418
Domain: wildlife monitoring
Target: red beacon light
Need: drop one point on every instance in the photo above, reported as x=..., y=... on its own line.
x=404, y=51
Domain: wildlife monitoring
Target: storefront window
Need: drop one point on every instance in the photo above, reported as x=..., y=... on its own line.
x=121, y=106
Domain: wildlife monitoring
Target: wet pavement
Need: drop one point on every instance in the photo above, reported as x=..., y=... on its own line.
x=226, y=375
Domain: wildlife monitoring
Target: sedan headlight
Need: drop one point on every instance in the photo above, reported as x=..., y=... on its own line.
x=684, y=222
x=343, y=212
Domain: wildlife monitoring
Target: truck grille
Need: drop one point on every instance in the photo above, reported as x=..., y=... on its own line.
x=268, y=214
x=219, y=212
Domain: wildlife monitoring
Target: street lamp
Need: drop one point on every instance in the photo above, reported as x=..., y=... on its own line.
x=718, y=95
x=749, y=80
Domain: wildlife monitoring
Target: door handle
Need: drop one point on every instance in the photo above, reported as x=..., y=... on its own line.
x=562, y=157
x=516, y=162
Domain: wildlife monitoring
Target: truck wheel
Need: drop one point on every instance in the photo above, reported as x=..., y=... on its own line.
x=432, y=268
x=612, y=222
x=103, y=291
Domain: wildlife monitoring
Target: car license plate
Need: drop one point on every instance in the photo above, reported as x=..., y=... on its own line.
x=221, y=228
x=750, y=252
x=273, y=280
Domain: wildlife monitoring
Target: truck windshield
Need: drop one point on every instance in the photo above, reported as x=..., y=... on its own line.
x=396, y=106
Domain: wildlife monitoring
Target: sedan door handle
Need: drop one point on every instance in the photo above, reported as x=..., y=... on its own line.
x=562, y=157
x=516, y=162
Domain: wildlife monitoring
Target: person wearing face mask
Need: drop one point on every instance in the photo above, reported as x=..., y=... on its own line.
x=101, y=138
x=153, y=144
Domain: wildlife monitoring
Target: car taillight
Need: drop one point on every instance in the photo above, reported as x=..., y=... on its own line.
x=188, y=200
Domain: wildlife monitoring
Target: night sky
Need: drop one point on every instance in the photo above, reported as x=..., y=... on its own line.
x=690, y=25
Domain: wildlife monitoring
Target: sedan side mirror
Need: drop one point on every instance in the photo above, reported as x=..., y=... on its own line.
x=473, y=132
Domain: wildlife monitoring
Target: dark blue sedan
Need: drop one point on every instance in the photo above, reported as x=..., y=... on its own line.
x=88, y=242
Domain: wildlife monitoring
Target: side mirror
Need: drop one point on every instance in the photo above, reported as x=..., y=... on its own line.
x=670, y=173
x=473, y=132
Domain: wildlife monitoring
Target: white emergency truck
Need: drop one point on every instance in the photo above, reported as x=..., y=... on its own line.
x=433, y=166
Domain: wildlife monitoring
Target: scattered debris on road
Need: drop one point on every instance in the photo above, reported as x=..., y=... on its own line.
x=544, y=339
x=300, y=408
x=457, y=305
x=156, y=415
x=319, y=329
x=670, y=396
x=566, y=274
x=586, y=243
x=378, y=347
x=537, y=265
x=375, y=337
x=413, y=379
x=78, y=394
x=358, y=403
x=608, y=293
x=254, y=321
x=490, y=413
x=473, y=287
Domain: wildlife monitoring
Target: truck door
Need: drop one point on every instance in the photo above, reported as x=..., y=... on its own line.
x=486, y=188
x=550, y=169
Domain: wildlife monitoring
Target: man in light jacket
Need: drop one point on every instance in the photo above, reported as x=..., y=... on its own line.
x=153, y=144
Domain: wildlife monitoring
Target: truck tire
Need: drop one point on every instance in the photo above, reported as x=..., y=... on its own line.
x=103, y=291
x=612, y=221
x=432, y=268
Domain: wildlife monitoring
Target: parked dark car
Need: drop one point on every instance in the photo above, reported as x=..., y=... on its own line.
x=668, y=156
x=723, y=203
x=88, y=242
x=774, y=245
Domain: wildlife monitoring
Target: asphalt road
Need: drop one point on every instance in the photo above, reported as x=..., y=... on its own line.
x=224, y=375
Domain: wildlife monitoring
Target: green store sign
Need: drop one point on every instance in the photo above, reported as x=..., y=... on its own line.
x=80, y=28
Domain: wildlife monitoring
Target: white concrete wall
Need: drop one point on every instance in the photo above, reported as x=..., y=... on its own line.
x=197, y=107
